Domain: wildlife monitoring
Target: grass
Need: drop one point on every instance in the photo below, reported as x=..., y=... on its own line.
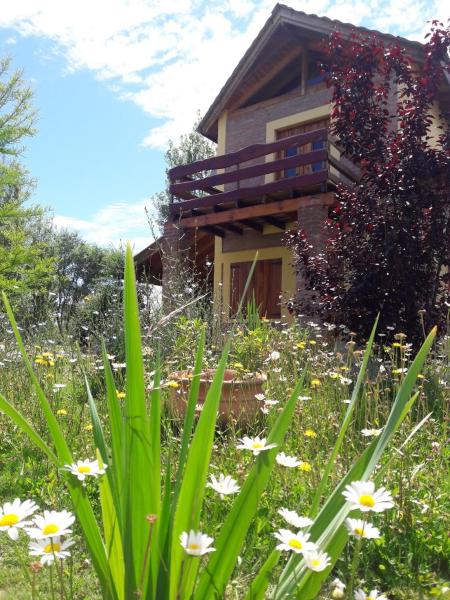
x=409, y=561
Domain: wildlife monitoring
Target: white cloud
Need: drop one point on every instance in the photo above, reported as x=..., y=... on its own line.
x=171, y=57
x=114, y=224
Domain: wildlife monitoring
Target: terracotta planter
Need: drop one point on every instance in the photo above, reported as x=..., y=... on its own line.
x=237, y=402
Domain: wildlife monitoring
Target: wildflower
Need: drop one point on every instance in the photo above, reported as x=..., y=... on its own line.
x=312, y=342
x=361, y=529
x=256, y=445
x=317, y=560
x=291, y=517
x=85, y=468
x=196, y=543
x=52, y=524
x=88, y=427
x=345, y=380
x=238, y=366
x=305, y=466
x=260, y=397
x=50, y=548
x=173, y=384
x=13, y=516
x=338, y=588
x=303, y=398
x=371, y=432
x=361, y=595
x=287, y=461
x=59, y=386
x=275, y=355
x=295, y=542
x=310, y=433
x=301, y=345
x=316, y=383
x=121, y=395
x=362, y=495
x=399, y=371
x=224, y=485
x=61, y=411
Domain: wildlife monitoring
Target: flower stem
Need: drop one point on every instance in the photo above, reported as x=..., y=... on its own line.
x=355, y=562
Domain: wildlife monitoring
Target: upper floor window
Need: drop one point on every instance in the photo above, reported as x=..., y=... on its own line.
x=317, y=145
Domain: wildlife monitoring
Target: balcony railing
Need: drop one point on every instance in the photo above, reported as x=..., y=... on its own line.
x=195, y=186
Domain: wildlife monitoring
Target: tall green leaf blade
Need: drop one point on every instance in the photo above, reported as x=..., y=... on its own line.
x=115, y=423
x=23, y=424
x=190, y=499
x=80, y=501
x=111, y=528
x=235, y=527
x=347, y=420
x=333, y=513
x=137, y=460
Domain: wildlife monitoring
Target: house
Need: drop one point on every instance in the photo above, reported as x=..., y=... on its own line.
x=276, y=168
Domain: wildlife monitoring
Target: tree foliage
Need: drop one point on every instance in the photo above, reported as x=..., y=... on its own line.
x=188, y=149
x=387, y=246
x=24, y=265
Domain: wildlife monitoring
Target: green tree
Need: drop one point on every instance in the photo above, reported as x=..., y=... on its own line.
x=24, y=265
x=190, y=148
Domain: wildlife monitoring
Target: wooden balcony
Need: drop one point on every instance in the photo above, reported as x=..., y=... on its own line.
x=263, y=183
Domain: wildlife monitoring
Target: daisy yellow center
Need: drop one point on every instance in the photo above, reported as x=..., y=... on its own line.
x=359, y=531
x=50, y=529
x=84, y=469
x=295, y=543
x=315, y=562
x=367, y=500
x=257, y=445
x=49, y=548
x=9, y=520
x=193, y=547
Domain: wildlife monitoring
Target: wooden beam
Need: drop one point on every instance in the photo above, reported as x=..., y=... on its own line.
x=270, y=74
x=258, y=210
x=253, y=192
x=209, y=229
x=275, y=222
x=253, y=225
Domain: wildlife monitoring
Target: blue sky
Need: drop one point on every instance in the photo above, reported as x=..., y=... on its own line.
x=114, y=80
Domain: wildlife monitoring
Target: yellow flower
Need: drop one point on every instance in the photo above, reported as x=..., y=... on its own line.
x=173, y=384
x=88, y=427
x=310, y=433
x=301, y=345
x=315, y=382
x=312, y=342
x=305, y=466
x=61, y=411
x=334, y=375
x=238, y=365
x=396, y=345
x=120, y=395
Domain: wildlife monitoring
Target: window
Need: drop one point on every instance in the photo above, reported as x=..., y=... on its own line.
x=317, y=145
x=265, y=286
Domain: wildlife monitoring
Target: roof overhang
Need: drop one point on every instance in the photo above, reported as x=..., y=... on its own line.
x=285, y=24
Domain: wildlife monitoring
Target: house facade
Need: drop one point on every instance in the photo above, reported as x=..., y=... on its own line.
x=276, y=168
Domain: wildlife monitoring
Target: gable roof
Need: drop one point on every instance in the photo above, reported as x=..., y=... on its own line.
x=282, y=28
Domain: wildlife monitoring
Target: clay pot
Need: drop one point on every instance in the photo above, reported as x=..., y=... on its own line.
x=237, y=402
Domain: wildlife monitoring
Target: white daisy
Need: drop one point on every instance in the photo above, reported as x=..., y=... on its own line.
x=362, y=495
x=50, y=548
x=52, y=524
x=256, y=445
x=13, y=516
x=223, y=485
x=295, y=542
x=291, y=517
x=361, y=595
x=371, y=432
x=86, y=468
x=317, y=560
x=361, y=529
x=287, y=461
x=196, y=543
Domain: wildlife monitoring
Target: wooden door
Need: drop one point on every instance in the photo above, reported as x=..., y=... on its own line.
x=265, y=286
